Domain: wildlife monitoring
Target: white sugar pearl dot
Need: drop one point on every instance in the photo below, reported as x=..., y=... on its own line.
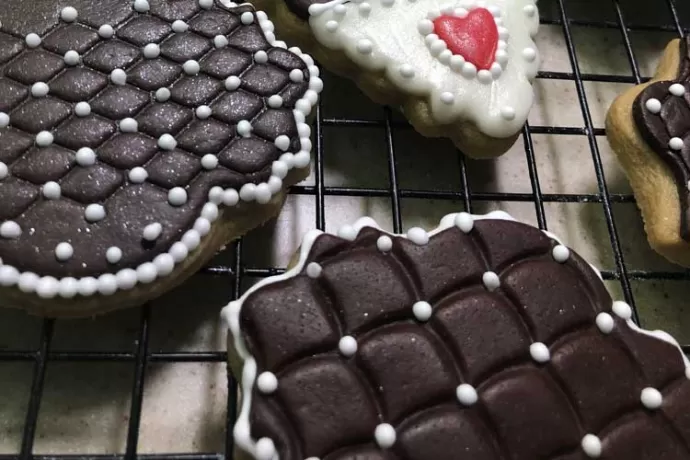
x=203, y=112
x=106, y=31
x=152, y=231
x=82, y=109
x=206, y=4
x=275, y=102
x=347, y=346
x=365, y=46
x=179, y=26
x=465, y=222
x=530, y=54
x=129, y=125
x=209, y=161
x=162, y=94
x=591, y=446
x=86, y=157
x=651, y=398
x=39, y=89
x=167, y=142
x=314, y=270
x=4, y=120
x=118, y=77
x=71, y=58
x=560, y=253
x=138, y=175
x=141, y=6
x=33, y=40
x=265, y=449
x=508, y=113
x=422, y=311
x=653, y=105
x=447, y=98
x=385, y=436
x=191, y=67
x=466, y=394
x=622, y=310
x=51, y=190
x=44, y=139
x=232, y=83
x=267, y=382
x=10, y=230
x=605, y=323
x=261, y=57
x=530, y=10
x=384, y=243
x=539, y=352
x=331, y=26
x=69, y=14
x=418, y=236
x=94, y=213
x=113, y=255
x=676, y=143
x=247, y=18
x=219, y=41
x=491, y=281
x=282, y=142
x=152, y=51
x=244, y=128
x=177, y=196
x=230, y=197
x=4, y=170
x=64, y=251
x=297, y=76
x=677, y=89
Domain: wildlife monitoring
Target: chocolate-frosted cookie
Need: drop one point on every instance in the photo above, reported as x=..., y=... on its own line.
x=137, y=138
x=485, y=339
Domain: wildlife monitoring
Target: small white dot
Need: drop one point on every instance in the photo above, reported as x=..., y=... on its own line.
x=179, y=26
x=141, y=6
x=64, y=251
x=232, y=83
x=591, y=446
x=106, y=31
x=138, y=175
x=385, y=436
x=39, y=89
x=365, y=46
x=177, y=196
x=265, y=449
x=447, y=98
x=466, y=394
x=69, y=14
x=508, y=113
x=384, y=243
x=282, y=142
x=530, y=10
x=465, y=222
x=418, y=236
x=651, y=398
x=82, y=109
x=407, y=71
x=653, y=105
x=152, y=51
x=491, y=281
x=191, y=67
x=244, y=128
x=152, y=231
x=167, y=142
x=129, y=125
x=51, y=190
x=33, y=40
x=94, y=213
x=332, y=26
x=676, y=143
x=275, y=102
x=605, y=323
x=297, y=76
x=539, y=352
x=247, y=18
x=314, y=270
x=530, y=54
x=677, y=89
x=162, y=94
x=203, y=112
x=44, y=139
x=267, y=382
x=560, y=253
x=422, y=311
x=4, y=120
x=206, y=4
x=71, y=58
x=113, y=255
x=86, y=157
x=261, y=57
x=4, y=171
x=348, y=346
x=209, y=161
x=622, y=310
x=118, y=77
x=10, y=230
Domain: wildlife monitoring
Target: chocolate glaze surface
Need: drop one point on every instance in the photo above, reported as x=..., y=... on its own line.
x=673, y=121
x=301, y=7
x=405, y=372
x=130, y=206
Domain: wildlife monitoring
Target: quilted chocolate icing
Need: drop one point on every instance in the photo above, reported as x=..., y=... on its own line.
x=131, y=205
x=582, y=394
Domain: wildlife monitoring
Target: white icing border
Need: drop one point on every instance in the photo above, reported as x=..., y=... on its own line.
x=264, y=449
x=162, y=265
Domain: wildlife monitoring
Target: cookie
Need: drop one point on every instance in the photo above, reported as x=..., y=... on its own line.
x=460, y=69
x=485, y=339
x=136, y=139
x=648, y=128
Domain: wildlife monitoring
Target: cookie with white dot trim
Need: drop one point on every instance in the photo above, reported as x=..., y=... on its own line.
x=136, y=139
x=648, y=128
x=406, y=352
x=461, y=69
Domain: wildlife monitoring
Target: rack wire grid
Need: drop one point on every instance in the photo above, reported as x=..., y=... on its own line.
x=233, y=266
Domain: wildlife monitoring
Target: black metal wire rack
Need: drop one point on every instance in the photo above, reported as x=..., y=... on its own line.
x=555, y=13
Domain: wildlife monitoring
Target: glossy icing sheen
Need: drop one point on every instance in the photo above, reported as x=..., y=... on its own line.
x=485, y=339
x=399, y=38
x=662, y=116
x=125, y=128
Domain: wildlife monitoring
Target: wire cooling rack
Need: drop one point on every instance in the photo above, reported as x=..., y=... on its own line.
x=554, y=13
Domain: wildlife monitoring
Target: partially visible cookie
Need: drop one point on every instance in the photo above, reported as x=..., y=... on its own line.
x=460, y=69
x=136, y=139
x=485, y=339
x=648, y=127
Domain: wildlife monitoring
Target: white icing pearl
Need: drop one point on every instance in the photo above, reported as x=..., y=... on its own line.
x=9, y=276
x=275, y=102
x=297, y=76
x=465, y=222
x=152, y=231
x=418, y=236
x=51, y=190
x=560, y=253
x=539, y=352
x=530, y=54
x=129, y=125
x=138, y=175
x=365, y=46
x=118, y=77
x=422, y=311
x=676, y=143
x=107, y=284
x=179, y=251
x=332, y=26
x=165, y=264
x=203, y=112
x=191, y=67
x=591, y=446
x=407, y=71
x=68, y=288
x=44, y=139
x=244, y=128
x=126, y=279
x=230, y=197
x=210, y=212
x=47, y=287
x=39, y=89
x=267, y=382
x=384, y=243
x=141, y=6
x=508, y=113
x=4, y=171
x=146, y=273
x=605, y=323
x=491, y=281
x=152, y=51
x=69, y=14
x=347, y=346
x=167, y=142
x=82, y=109
x=232, y=83
x=86, y=157
x=219, y=41
x=71, y=58
x=163, y=94
x=653, y=105
x=447, y=98
x=265, y=449
x=64, y=251
x=282, y=142
x=4, y=120
x=177, y=196
x=179, y=26
x=260, y=57
x=202, y=226
x=530, y=10
x=33, y=40
x=466, y=394
x=10, y=230
x=87, y=286
x=206, y=4
x=651, y=398
x=385, y=436
x=209, y=161
x=247, y=18
x=94, y=213
x=677, y=89
x=622, y=310
x=314, y=270
x=113, y=255
x=27, y=282
x=106, y=31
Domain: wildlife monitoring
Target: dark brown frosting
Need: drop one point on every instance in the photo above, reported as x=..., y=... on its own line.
x=657, y=129
x=301, y=7
x=405, y=372
x=130, y=206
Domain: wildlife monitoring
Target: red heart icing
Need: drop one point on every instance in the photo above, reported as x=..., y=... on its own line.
x=474, y=37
